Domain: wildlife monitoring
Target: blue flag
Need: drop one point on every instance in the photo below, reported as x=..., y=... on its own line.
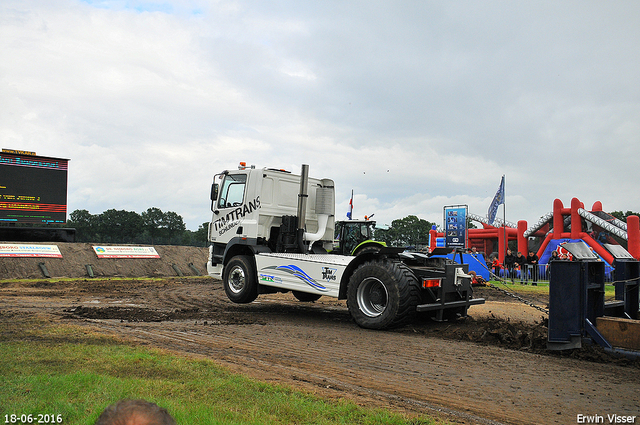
x=497, y=200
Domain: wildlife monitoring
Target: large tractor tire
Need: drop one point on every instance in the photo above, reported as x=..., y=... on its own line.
x=240, y=280
x=382, y=294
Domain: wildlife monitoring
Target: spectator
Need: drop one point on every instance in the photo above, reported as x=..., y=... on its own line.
x=135, y=412
x=532, y=264
x=509, y=264
x=521, y=261
x=496, y=267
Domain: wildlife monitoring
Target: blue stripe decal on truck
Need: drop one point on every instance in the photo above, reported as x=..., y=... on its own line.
x=300, y=274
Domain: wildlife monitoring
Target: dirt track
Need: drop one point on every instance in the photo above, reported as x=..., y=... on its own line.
x=482, y=370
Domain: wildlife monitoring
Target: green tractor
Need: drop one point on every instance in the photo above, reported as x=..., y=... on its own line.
x=355, y=237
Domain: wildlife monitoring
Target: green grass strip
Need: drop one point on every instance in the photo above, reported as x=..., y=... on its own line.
x=62, y=370
x=543, y=288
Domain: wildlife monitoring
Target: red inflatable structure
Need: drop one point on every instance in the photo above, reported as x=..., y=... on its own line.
x=488, y=239
x=568, y=223
x=599, y=220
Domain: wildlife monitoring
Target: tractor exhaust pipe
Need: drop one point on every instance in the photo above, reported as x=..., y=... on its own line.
x=302, y=205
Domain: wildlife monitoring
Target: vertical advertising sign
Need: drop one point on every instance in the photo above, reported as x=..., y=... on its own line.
x=455, y=225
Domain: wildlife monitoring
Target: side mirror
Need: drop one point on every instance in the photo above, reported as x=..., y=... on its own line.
x=214, y=194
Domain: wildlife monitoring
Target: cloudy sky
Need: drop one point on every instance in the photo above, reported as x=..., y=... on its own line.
x=413, y=105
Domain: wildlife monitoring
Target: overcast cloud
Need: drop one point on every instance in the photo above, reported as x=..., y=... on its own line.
x=413, y=105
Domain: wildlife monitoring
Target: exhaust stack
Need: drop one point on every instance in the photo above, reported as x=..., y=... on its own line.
x=325, y=201
x=302, y=205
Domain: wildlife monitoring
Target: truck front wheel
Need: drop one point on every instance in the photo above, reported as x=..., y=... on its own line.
x=239, y=280
x=382, y=294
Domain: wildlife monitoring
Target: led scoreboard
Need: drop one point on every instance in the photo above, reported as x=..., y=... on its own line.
x=33, y=189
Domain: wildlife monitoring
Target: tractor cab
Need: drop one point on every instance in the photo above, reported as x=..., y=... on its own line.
x=353, y=237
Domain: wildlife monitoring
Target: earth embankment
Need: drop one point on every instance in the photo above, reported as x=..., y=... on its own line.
x=187, y=260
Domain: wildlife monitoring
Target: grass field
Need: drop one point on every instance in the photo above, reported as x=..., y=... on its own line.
x=66, y=374
x=542, y=288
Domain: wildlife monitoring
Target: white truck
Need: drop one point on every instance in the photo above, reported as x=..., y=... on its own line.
x=273, y=231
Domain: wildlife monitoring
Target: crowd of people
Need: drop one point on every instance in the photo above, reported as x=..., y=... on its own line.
x=525, y=265
x=517, y=265
x=514, y=264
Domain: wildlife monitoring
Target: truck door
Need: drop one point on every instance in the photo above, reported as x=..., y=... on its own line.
x=228, y=209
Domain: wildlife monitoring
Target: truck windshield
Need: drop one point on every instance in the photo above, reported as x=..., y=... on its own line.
x=232, y=193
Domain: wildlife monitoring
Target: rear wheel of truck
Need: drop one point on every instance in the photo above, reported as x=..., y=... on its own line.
x=239, y=280
x=382, y=294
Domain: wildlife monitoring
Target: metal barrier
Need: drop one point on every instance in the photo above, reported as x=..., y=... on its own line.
x=543, y=274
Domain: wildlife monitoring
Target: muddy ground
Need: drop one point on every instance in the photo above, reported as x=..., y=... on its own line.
x=490, y=368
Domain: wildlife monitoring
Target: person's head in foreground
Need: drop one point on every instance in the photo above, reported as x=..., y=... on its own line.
x=135, y=412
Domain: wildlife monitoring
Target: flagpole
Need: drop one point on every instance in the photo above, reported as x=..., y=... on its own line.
x=504, y=215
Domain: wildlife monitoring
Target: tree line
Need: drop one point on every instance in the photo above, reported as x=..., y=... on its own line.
x=404, y=232
x=622, y=216
x=409, y=231
x=154, y=226
x=167, y=228
x=128, y=227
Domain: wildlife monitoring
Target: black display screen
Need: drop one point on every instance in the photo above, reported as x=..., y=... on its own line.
x=33, y=189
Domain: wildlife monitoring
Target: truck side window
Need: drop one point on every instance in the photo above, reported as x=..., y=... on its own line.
x=364, y=231
x=232, y=192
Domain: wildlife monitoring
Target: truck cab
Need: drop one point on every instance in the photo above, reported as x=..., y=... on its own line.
x=257, y=210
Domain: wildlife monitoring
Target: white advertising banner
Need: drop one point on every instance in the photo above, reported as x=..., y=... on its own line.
x=126, y=252
x=29, y=250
